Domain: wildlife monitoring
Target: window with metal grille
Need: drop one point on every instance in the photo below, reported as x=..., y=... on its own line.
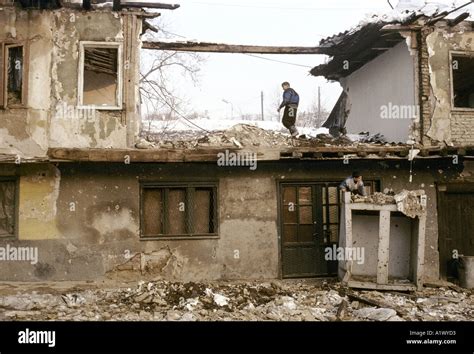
x=331, y=205
x=12, y=75
x=178, y=210
x=462, y=69
x=8, y=207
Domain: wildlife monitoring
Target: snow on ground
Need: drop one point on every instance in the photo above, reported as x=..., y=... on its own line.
x=212, y=125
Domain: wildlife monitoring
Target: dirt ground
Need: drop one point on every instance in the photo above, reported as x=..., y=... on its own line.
x=276, y=300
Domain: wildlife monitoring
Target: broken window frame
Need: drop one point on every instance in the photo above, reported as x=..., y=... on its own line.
x=190, y=188
x=16, y=183
x=80, y=91
x=4, y=48
x=452, y=54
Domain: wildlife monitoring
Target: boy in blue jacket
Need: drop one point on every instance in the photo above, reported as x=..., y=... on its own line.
x=290, y=102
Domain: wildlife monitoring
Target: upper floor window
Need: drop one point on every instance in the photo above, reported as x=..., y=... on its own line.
x=100, y=75
x=463, y=80
x=12, y=75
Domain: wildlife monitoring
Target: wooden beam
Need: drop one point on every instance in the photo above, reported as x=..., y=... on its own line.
x=458, y=19
x=230, y=48
x=151, y=5
x=209, y=154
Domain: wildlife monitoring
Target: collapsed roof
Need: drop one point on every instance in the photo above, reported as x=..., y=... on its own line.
x=371, y=37
x=116, y=5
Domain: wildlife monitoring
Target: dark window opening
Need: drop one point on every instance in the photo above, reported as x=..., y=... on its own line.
x=332, y=198
x=463, y=83
x=185, y=210
x=7, y=208
x=100, y=77
x=14, y=75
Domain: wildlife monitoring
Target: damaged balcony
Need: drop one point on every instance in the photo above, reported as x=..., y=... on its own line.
x=393, y=230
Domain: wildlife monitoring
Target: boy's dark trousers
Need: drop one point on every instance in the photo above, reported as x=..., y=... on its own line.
x=289, y=117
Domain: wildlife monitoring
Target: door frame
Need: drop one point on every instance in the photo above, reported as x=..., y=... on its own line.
x=443, y=189
x=317, y=180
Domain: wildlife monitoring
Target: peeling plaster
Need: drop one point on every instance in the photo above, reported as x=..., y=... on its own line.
x=39, y=192
x=110, y=222
x=53, y=44
x=446, y=125
x=440, y=128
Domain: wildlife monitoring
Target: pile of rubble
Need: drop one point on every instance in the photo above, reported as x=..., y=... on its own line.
x=410, y=203
x=238, y=136
x=377, y=198
x=237, y=301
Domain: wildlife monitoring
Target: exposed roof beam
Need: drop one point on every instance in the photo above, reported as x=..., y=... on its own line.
x=230, y=48
x=210, y=154
x=458, y=19
x=401, y=28
x=151, y=5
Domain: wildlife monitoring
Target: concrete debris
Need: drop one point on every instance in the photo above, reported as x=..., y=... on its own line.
x=72, y=300
x=374, y=314
x=144, y=144
x=411, y=203
x=243, y=135
x=376, y=198
x=366, y=137
x=219, y=299
x=305, y=300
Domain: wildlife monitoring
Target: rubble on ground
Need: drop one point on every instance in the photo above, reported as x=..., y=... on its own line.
x=305, y=300
x=244, y=135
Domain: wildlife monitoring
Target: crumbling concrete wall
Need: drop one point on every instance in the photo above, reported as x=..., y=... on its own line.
x=75, y=128
x=85, y=218
x=365, y=229
x=51, y=117
x=448, y=125
x=385, y=83
x=24, y=131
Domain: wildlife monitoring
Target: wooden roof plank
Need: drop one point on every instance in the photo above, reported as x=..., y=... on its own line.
x=230, y=48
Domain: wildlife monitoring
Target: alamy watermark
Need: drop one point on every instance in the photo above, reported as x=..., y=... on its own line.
x=29, y=336
x=396, y=111
x=246, y=159
x=65, y=111
x=334, y=253
x=21, y=254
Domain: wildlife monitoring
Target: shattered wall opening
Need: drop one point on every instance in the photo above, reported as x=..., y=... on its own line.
x=100, y=75
x=393, y=232
x=463, y=84
x=14, y=56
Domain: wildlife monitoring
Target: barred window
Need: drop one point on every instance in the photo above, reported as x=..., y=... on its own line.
x=178, y=210
x=8, y=203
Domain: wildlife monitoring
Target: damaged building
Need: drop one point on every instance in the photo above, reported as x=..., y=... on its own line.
x=74, y=185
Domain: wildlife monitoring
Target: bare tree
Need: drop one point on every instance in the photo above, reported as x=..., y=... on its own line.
x=314, y=116
x=159, y=98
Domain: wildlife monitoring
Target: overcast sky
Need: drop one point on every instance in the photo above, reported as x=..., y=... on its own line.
x=239, y=78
